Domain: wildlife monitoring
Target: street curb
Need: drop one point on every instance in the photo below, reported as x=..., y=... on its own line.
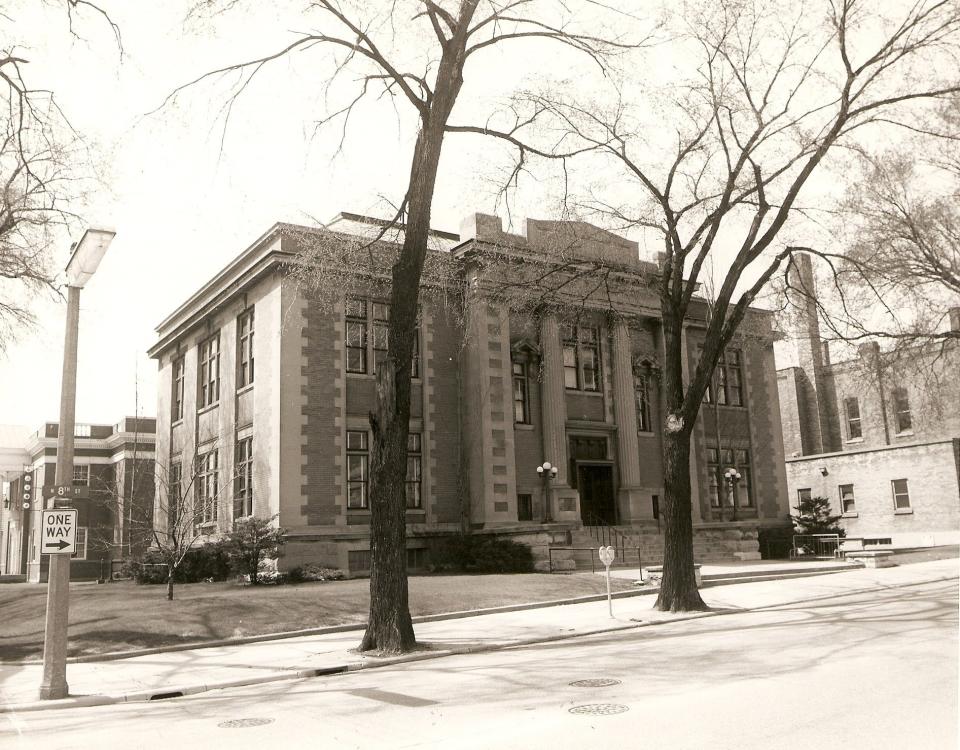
x=347, y=627
x=377, y=662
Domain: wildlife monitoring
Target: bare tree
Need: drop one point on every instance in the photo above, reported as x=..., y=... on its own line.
x=43, y=176
x=375, y=42
x=764, y=92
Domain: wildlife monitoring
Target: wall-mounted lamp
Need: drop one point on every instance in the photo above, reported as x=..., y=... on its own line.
x=823, y=470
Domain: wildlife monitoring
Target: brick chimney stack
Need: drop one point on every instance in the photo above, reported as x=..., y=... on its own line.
x=955, y=319
x=820, y=434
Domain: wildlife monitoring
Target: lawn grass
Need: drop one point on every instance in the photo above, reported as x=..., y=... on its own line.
x=123, y=616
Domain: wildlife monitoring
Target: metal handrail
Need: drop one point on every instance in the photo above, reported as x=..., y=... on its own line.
x=606, y=533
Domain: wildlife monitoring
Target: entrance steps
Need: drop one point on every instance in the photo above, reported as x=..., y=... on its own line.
x=636, y=546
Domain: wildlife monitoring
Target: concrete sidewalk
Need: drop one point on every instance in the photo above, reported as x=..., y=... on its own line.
x=185, y=672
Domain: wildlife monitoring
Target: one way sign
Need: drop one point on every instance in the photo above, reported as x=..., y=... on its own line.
x=59, y=531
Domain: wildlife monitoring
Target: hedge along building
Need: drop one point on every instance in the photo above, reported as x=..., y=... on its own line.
x=114, y=464
x=533, y=347
x=877, y=434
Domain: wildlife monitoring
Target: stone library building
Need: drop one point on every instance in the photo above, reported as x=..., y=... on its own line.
x=523, y=357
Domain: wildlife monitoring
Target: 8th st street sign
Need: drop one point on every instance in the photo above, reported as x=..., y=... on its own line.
x=59, y=531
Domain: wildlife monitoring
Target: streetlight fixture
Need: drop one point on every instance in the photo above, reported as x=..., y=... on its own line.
x=85, y=257
x=733, y=477
x=547, y=471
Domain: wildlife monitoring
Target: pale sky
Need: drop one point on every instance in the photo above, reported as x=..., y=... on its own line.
x=183, y=207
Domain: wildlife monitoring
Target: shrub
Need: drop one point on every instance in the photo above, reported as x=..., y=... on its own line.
x=209, y=561
x=314, y=572
x=480, y=554
x=815, y=517
x=252, y=541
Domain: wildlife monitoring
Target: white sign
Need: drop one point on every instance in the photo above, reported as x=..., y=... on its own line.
x=59, y=531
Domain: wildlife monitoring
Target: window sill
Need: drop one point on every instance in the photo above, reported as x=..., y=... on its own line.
x=852, y=514
x=583, y=392
x=373, y=376
x=209, y=407
x=903, y=511
x=905, y=433
x=245, y=389
x=734, y=407
x=853, y=440
x=176, y=423
x=523, y=426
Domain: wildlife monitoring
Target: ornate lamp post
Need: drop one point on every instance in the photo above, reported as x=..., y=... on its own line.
x=547, y=471
x=732, y=476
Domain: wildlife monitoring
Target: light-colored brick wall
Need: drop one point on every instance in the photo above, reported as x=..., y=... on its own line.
x=930, y=469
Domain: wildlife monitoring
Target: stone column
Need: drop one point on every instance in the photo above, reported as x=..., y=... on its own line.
x=564, y=500
x=625, y=413
x=554, y=399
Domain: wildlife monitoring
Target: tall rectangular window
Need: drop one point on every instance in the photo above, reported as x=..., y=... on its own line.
x=174, y=488
x=80, y=544
x=243, y=481
x=209, y=371
x=356, y=335
x=901, y=410
x=414, y=471
x=176, y=401
x=745, y=483
x=357, y=469
x=245, y=349
x=381, y=332
x=739, y=459
x=848, y=502
x=854, y=426
x=364, y=316
x=713, y=472
x=81, y=476
x=804, y=495
x=581, y=357
x=521, y=393
x=524, y=507
x=208, y=464
x=726, y=386
x=641, y=393
x=901, y=494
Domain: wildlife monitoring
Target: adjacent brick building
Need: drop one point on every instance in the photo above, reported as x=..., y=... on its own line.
x=116, y=464
x=878, y=434
x=268, y=389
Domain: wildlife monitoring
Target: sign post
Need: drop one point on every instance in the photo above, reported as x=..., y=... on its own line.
x=59, y=532
x=607, y=555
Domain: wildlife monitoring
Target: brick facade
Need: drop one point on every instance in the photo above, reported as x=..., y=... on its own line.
x=871, y=419
x=116, y=464
x=478, y=459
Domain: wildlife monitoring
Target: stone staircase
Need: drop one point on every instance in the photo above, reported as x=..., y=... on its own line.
x=646, y=543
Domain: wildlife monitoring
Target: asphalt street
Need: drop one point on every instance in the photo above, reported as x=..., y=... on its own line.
x=876, y=670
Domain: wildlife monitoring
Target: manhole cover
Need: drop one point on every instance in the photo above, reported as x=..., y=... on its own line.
x=599, y=682
x=241, y=723
x=600, y=709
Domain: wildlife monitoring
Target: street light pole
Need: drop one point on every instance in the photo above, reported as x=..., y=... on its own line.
x=83, y=263
x=54, y=682
x=547, y=472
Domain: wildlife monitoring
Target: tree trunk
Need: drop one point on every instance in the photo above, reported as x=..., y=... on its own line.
x=389, y=627
x=170, y=583
x=678, y=587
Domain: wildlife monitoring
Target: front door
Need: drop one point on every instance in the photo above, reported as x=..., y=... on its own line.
x=595, y=483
